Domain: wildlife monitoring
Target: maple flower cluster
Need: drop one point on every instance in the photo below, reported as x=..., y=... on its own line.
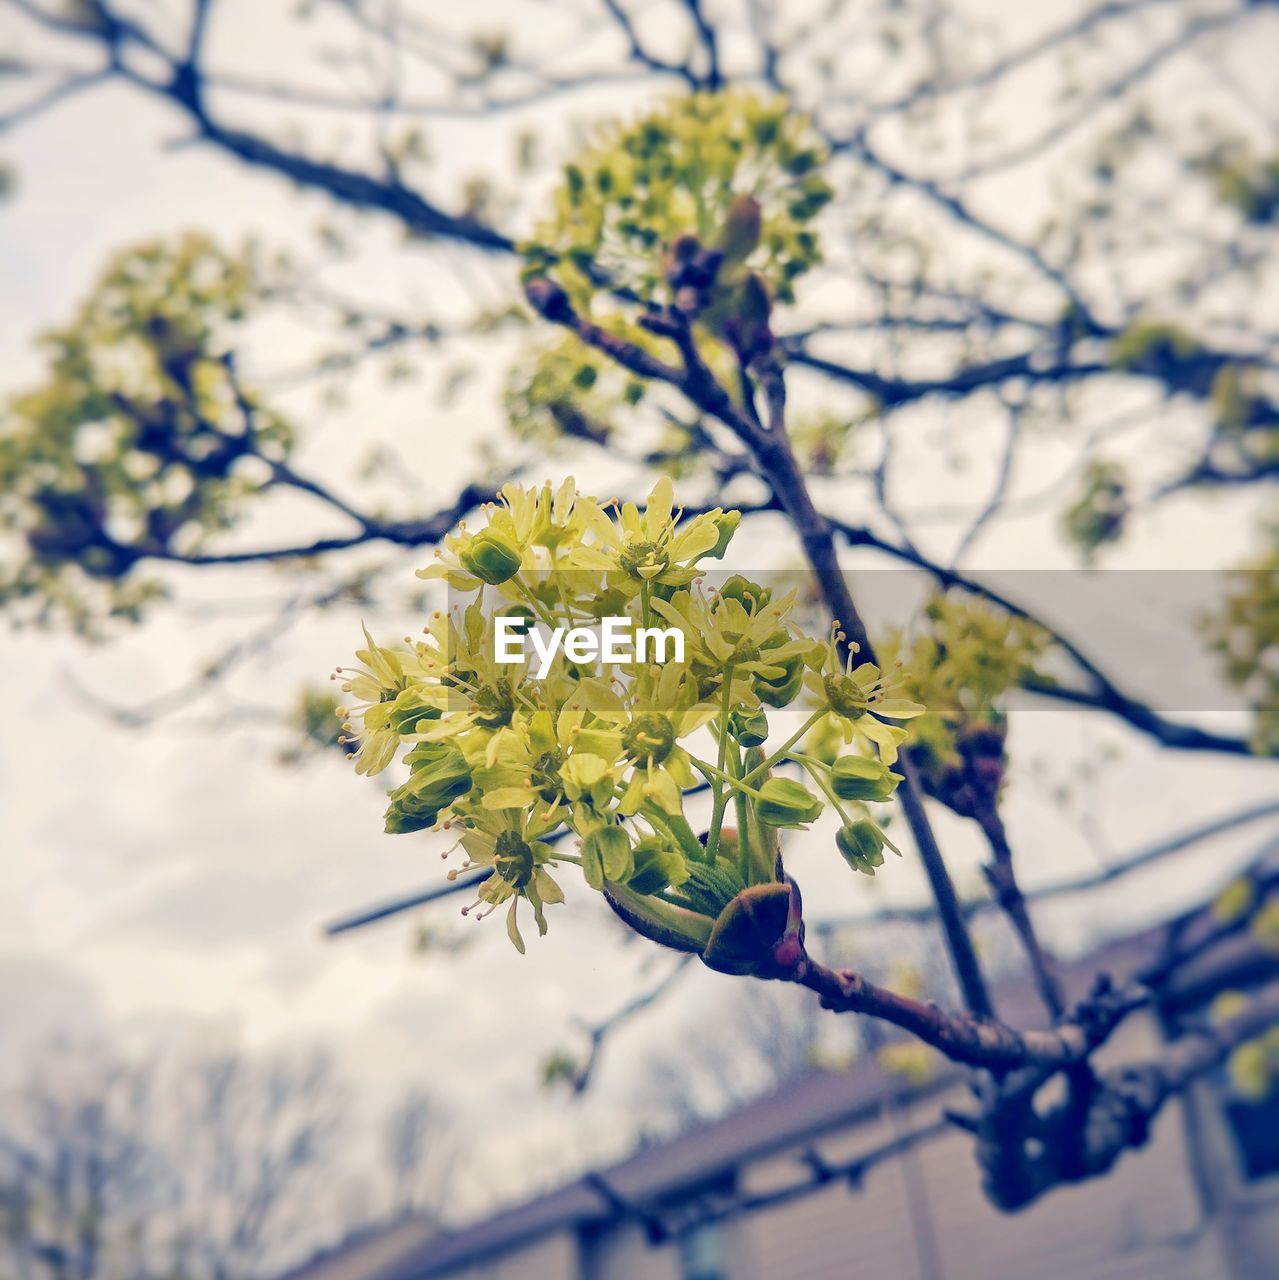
x=600, y=768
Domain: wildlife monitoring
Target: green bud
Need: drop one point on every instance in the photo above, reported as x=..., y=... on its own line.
x=409, y=711
x=781, y=690
x=739, y=235
x=585, y=779
x=786, y=803
x=606, y=855
x=400, y=822
x=440, y=774
x=656, y=867
x=750, y=595
x=726, y=523
x=522, y=618
x=862, y=844
x=750, y=728
x=491, y=557
x=860, y=778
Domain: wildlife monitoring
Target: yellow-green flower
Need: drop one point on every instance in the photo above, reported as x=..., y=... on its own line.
x=518, y=858
x=524, y=764
x=747, y=636
x=854, y=696
x=461, y=675
x=649, y=547
x=658, y=712
x=377, y=685
x=523, y=532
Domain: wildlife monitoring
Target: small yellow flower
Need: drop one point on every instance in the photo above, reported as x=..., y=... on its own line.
x=518, y=858
x=377, y=685
x=648, y=548
x=855, y=696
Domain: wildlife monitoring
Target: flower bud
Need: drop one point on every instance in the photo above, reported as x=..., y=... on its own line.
x=398, y=821
x=655, y=867
x=780, y=690
x=726, y=525
x=606, y=855
x=750, y=728
x=491, y=557
x=862, y=845
x=521, y=618
x=750, y=595
x=410, y=710
x=761, y=932
x=786, y=803
x=861, y=778
x=586, y=779
x=439, y=772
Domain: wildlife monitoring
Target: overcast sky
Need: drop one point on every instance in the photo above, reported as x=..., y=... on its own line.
x=174, y=882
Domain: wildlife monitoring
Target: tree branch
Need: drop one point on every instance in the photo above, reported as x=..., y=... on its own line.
x=639, y=53
x=1002, y=877
x=1104, y=1114
x=776, y=463
x=972, y=1039
x=184, y=88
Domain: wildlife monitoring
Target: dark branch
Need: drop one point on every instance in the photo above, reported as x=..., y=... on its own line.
x=977, y=1041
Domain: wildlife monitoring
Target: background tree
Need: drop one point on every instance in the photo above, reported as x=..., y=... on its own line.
x=816, y=288
x=207, y=1166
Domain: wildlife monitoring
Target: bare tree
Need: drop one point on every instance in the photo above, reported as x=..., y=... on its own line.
x=420, y=1153
x=139, y=1166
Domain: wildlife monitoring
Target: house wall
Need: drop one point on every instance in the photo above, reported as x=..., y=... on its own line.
x=625, y=1251
x=549, y=1257
x=1247, y=1213
x=924, y=1216
x=1167, y=1212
